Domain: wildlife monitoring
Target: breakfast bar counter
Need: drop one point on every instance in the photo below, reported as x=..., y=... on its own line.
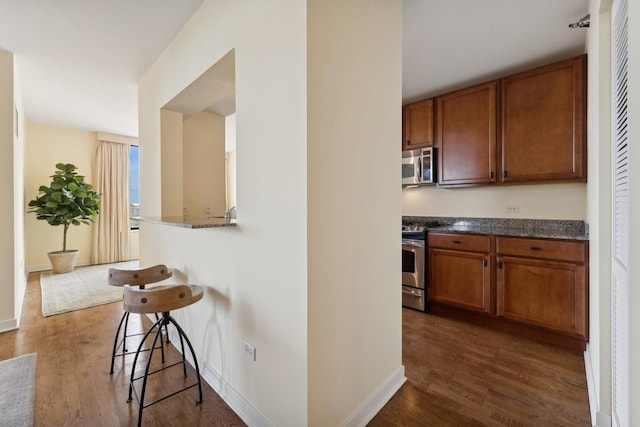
x=190, y=221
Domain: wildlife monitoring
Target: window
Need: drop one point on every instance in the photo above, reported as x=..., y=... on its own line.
x=134, y=187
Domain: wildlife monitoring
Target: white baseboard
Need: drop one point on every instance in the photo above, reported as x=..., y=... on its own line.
x=370, y=407
x=598, y=419
x=603, y=420
x=591, y=384
x=253, y=418
x=36, y=268
x=8, y=325
x=231, y=397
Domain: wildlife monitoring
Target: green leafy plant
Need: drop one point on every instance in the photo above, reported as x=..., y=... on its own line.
x=68, y=200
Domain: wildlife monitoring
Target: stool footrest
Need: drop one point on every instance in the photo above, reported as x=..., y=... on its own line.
x=146, y=405
x=157, y=370
x=157, y=327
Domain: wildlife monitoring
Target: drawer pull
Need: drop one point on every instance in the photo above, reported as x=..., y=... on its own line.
x=536, y=248
x=457, y=242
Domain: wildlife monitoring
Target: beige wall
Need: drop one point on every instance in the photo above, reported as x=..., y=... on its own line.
x=204, y=164
x=7, y=309
x=19, y=137
x=171, y=155
x=354, y=301
x=12, y=224
x=548, y=201
x=259, y=277
x=230, y=148
x=46, y=146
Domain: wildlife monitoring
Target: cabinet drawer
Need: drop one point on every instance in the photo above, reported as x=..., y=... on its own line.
x=462, y=242
x=539, y=248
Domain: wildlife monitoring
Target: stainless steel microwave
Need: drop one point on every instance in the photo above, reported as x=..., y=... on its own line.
x=418, y=166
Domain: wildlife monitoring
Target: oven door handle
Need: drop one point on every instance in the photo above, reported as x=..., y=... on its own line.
x=415, y=245
x=413, y=293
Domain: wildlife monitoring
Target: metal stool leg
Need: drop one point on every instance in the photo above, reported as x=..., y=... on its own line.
x=146, y=372
x=115, y=341
x=193, y=354
x=135, y=359
x=161, y=339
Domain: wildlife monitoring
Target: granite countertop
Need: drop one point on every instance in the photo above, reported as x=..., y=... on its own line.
x=190, y=221
x=535, y=228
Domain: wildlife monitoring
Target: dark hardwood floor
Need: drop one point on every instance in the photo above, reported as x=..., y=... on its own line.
x=458, y=375
x=73, y=385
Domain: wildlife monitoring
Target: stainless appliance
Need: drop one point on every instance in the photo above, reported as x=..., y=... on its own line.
x=417, y=166
x=413, y=271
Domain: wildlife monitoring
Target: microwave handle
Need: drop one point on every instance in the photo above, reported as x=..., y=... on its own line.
x=419, y=171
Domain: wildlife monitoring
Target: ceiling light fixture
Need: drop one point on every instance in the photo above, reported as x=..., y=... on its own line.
x=583, y=23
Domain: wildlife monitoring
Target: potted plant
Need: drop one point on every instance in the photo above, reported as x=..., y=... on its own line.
x=68, y=200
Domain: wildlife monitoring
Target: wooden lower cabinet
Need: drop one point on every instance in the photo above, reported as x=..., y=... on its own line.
x=462, y=279
x=539, y=284
x=460, y=270
x=542, y=293
x=542, y=283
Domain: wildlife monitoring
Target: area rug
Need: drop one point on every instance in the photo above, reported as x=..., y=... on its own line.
x=17, y=390
x=82, y=288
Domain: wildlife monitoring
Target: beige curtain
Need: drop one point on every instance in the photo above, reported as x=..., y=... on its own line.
x=111, y=228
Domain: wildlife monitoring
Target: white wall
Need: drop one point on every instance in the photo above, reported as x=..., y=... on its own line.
x=634, y=211
x=598, y=355
x=293, y=278
x=255, y=275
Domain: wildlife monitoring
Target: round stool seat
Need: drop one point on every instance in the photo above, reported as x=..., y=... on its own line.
x=160, y=299
x=139, y=277
x=133, y=277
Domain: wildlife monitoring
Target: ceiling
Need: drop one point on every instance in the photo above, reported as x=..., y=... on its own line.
x=449, y=44
x=79, y=61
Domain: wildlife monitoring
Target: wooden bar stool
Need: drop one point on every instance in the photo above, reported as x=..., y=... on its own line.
x=136, y=277
x=161, y=299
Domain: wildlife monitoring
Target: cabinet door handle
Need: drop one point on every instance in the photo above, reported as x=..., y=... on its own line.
x=491, y=175
x=499, y=264
x=457, y=242
x=504, y=174
x=484, y=262
x=536, y=248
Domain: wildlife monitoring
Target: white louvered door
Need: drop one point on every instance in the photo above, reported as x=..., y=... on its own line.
x=620, y=224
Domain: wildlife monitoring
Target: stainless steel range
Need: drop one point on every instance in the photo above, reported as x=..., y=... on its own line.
x=413, y=267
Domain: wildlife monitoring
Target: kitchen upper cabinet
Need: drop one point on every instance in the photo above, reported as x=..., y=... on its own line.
x=543, y=283
x=460, y=271
x=543, y=134
x=417, y=125
x=466, y=136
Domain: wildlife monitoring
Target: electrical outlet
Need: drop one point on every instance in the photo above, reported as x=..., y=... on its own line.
x=249, y=350
x=207, y=208
x=513, y=208
x=185, y=210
